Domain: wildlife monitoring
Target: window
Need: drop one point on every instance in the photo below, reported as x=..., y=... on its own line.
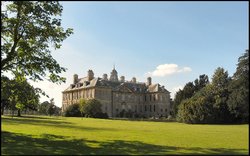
x=145, y=107
x=154, y=97
x=150, y=98
x=150, y=108
x=145, y=97
x=166, y=110
x=154, y=108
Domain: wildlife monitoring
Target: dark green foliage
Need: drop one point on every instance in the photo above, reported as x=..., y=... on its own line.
x=19, y=94
x=188, y=91
x=224, y=100
x=48, y=108
x=72, y=111
x=87, y=108
x=51, y=109
x=201, y=82
x=82, y=102
x=28, y=30
x=43, y=107
x=57, y=111
x=220, y=82
x=209, y=105
x=92, y=108
x=197, y=109
x=238, y=101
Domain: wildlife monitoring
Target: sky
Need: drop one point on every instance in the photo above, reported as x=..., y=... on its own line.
x=173, y=42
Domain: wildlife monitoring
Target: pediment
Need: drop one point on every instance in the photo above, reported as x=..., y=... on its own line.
x=124, y=89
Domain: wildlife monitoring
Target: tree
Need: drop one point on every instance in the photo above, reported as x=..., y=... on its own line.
x=189, y=90
x=92, y=108
x=28, y=28
x=198, y=108
x=220, y=82
x=57, y=111
x=185, y=93
x=51, y=107
x=72, y=111
x=19, y=94
x=82, y=102
x=5, y=93
x=201, y=82
x=208, y=105
x=238, y=101
x=43, y=107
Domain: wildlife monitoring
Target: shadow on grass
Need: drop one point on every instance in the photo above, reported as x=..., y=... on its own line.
x=50, y=123
x=19, y=144
x=36, y=117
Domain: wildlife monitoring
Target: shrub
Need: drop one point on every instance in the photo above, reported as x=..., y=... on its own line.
x=72, y=111
x=92, y=108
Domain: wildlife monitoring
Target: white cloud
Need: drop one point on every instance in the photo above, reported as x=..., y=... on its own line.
x=168, y=69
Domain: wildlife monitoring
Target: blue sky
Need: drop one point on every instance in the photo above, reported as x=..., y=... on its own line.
x=173, y=42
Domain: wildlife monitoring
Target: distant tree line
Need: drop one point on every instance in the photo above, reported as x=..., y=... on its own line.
x=18, y=95
x=223, y=100
x=49, y=108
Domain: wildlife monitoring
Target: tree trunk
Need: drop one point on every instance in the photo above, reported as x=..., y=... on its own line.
x=2, y=110
x=19, y=112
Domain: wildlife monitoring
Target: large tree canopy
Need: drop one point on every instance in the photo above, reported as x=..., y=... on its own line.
x=29, y=29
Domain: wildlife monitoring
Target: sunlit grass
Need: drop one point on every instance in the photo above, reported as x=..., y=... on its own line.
x=60, y=135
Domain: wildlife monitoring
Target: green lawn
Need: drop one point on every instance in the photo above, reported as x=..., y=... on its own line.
x=60, y=135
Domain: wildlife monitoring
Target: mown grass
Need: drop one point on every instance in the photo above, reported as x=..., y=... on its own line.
x=41, y=135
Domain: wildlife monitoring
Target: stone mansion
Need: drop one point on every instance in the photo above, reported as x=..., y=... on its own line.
x=116, y=95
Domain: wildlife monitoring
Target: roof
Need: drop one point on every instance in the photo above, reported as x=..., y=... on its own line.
x=116, y=86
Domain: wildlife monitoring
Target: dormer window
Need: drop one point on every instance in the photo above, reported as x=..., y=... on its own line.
x=86, y=83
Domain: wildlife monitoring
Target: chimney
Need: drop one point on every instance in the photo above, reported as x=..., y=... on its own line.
x=149, y=81
x=122, y=79
x=75, y=78
x=90, y=75
x=134, y=80
x=105, y=77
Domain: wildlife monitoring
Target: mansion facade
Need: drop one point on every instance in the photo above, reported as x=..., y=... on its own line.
x=117, y=95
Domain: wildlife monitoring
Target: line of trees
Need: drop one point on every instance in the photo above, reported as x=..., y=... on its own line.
x=18, y=94
x=49, y=108
x=224, y=100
